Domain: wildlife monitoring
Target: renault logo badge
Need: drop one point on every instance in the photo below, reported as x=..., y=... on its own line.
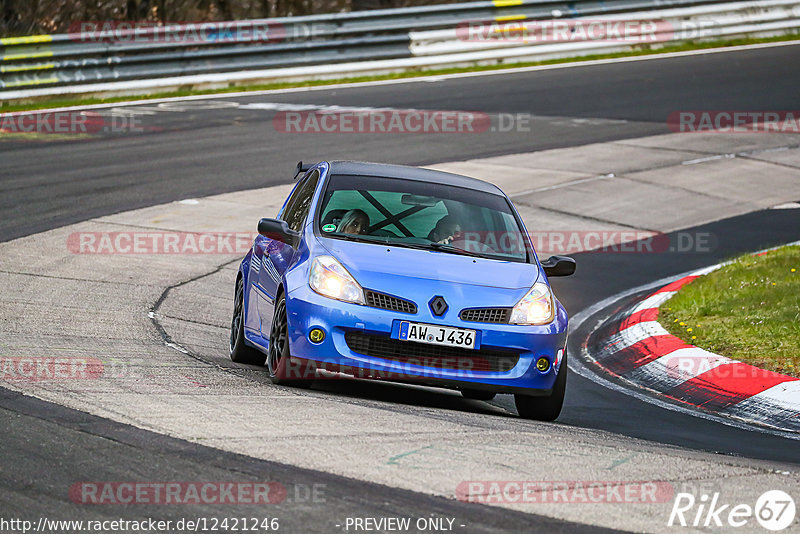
x=438, y=305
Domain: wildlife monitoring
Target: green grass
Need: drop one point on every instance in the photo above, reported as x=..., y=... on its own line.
x=748, y=310
x=61, y=101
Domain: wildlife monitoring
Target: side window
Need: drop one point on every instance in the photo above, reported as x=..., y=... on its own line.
x=300, y=202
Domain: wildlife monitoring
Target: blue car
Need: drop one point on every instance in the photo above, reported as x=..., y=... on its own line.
x=403, y=274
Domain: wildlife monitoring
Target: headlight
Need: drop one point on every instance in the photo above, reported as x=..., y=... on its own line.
x=329, y=278
x=536, y=307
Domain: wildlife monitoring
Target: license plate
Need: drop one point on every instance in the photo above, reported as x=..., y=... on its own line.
x=437, y=335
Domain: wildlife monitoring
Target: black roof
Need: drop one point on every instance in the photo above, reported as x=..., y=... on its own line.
x=360, y=168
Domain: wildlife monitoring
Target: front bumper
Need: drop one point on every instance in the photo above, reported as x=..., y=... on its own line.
x=308, y=310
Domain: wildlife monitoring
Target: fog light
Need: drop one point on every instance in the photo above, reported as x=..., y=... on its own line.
x=316, y=335
x=543, y=365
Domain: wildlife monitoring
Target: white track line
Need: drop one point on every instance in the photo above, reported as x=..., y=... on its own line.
x=676, y=367
x=653, y=301
x=635, y=333
x=782, y=399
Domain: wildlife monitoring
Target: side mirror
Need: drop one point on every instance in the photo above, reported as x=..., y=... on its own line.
x=559, y=266
x=300, y=169
x=279, y=231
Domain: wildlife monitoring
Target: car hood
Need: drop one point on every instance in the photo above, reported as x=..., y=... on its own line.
x=369, y=262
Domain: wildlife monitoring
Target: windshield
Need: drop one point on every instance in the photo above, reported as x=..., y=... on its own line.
x=421, y=215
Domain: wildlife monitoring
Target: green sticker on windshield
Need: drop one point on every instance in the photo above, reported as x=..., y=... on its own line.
x=329, y=228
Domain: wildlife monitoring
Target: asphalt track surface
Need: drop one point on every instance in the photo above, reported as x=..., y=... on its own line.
x=50, y=444
x=47, y=184
x=205, y=152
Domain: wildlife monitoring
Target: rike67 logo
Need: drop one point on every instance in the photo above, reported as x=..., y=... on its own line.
x=774, y=510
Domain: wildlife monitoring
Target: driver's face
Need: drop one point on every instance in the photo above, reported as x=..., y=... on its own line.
x=355, y=227
x=451, y=230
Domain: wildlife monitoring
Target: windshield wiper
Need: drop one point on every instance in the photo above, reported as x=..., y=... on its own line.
x=442, y=247
x=436, y=247
x=359, y=238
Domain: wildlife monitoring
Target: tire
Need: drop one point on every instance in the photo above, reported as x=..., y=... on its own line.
x=477, y=394
x=279, y=358
x=544, y=408
x=240, y=351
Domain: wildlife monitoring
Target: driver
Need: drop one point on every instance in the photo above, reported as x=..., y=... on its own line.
x=445, y=230
x=354, y=222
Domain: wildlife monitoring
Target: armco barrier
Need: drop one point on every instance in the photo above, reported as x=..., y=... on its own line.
x=342, y=44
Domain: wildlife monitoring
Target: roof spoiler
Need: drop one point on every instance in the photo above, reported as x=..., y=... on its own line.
x=301, y=168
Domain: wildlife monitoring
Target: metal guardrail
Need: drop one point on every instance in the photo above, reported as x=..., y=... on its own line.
x=49, y=63
x=702, y=22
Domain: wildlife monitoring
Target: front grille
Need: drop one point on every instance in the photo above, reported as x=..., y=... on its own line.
x=436, y=356
x=486, y=315
x=388, y=302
